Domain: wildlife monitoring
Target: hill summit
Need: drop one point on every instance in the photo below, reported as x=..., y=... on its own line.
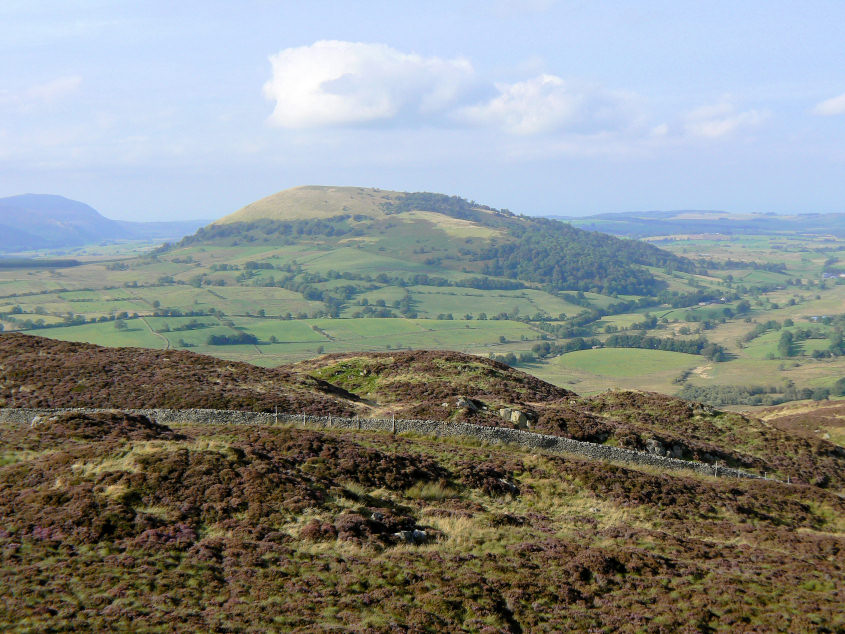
x=309, y=202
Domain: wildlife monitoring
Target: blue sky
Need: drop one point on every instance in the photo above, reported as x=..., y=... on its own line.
x=163, y=110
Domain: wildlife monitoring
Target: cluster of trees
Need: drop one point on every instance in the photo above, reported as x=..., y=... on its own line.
x=452, y=206
x=677, y=299
x=242, y=338
x=68, y=319
x=249, y=231
x=757, y=394
x=545, y=349
x=700, y=346
x=649, y=322
x=787, y=344
x=761, y=329
x=176, y=312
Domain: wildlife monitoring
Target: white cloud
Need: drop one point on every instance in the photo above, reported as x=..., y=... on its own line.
x=830, y=107
x=39, y=94
x=548, y=103
x=54, y=90
x=347, y=83
x=720, y=120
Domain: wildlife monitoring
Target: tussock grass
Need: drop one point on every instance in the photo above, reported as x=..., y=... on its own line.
x=125, y=460
x=431, y=491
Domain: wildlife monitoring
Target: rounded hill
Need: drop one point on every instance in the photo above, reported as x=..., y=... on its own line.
x=446, y=233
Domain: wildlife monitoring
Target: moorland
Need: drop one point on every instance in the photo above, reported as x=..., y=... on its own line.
x=113, y=521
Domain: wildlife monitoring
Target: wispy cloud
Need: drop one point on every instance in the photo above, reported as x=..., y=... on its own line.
x=830, y=107
x=548, y=103
x=721, y=120
x=54, y=90
x=44, y=93
x=334, y=83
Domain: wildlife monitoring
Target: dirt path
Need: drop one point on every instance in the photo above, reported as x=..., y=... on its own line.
x=156, y=334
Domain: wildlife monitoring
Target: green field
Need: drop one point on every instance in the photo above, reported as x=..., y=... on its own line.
x=591, y=371
x=626, y=363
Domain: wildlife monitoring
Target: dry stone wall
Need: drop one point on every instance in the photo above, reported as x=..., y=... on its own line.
x=492, y=435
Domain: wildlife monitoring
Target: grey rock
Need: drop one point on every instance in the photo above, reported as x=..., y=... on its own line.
x=466, y=403
x=519, y=419
x=414, y=536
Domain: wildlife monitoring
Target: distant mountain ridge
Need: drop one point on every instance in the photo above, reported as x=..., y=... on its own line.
x=644, y=224
x=47, y=221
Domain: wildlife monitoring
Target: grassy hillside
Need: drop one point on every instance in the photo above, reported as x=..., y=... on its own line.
x=115, y=522
x=312, y=202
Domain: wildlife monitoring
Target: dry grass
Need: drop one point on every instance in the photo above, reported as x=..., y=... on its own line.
x=124, y=460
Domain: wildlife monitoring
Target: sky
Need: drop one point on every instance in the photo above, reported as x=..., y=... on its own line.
x=192, y=109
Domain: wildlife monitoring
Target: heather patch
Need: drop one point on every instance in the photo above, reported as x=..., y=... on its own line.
x=244, y=528
x=37, y=372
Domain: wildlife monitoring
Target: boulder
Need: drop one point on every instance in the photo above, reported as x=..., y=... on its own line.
x=505, y=413
x=519, y=419
x=466, y=403
x=655, y=447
